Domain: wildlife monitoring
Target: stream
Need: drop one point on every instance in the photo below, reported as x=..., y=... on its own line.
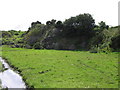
x=10, y=78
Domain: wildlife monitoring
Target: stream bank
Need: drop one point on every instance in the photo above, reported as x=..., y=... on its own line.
x=10, y=78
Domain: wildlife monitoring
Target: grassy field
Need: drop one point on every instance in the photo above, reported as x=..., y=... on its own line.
x=64, y=69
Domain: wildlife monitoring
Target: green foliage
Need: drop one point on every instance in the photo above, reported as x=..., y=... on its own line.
x=34, y=34
x=6, y=34
x=13, y=38
x=103, y=25
x=51, y=34
x=59, y=25
x=116, y=43
x=37, y=45
x=75, y=33
x=104, y=40
x=64, y=69
x=52, y=22
x=35, y=23
x=79, y=25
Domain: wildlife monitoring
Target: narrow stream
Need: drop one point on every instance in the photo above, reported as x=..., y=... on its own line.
x=10, y=78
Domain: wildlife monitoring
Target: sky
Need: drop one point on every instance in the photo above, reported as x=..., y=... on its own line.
x=19, y=14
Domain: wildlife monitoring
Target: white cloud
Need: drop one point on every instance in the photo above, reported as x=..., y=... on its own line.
x=18, y=14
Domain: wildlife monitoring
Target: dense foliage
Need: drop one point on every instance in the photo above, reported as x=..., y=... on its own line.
x=80, y=25
x=75, y=33
x=13, y=38
x=62, y=35
x=106, y=40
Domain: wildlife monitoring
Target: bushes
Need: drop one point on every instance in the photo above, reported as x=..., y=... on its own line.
x=38, y=45
x=105, y=49
x=6, y=34
x=54, y=32
x=116, y=43
x=35, y=34
x=79, y=32
x=105, y=40
x=13, y=38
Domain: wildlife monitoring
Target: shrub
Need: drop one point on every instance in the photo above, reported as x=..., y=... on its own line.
x=38, y=45
x=28, y=46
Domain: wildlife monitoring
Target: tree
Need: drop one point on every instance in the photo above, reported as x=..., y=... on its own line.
x=34, y=34
x=107, y=27
x=79, y=25
x=85, y=22
x=48, y=23
x=103, y=25
x=52, y=22
x=59, y=24
x=116, y=43
x=34, y=23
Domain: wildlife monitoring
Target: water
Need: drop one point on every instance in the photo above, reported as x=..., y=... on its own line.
x=10, y=78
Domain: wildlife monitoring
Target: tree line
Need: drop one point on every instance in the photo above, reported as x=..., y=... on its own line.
x=76, y=33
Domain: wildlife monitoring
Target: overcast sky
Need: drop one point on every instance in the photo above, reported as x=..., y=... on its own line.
x=19, y=14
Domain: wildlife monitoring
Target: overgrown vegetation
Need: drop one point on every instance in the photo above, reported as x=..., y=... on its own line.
x=75, y=33
x=13, y=38
x=106, y=40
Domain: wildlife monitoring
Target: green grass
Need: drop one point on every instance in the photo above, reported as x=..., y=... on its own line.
x=64, y=69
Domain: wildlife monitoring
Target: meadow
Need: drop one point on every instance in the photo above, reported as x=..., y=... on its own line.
x=64, y=69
